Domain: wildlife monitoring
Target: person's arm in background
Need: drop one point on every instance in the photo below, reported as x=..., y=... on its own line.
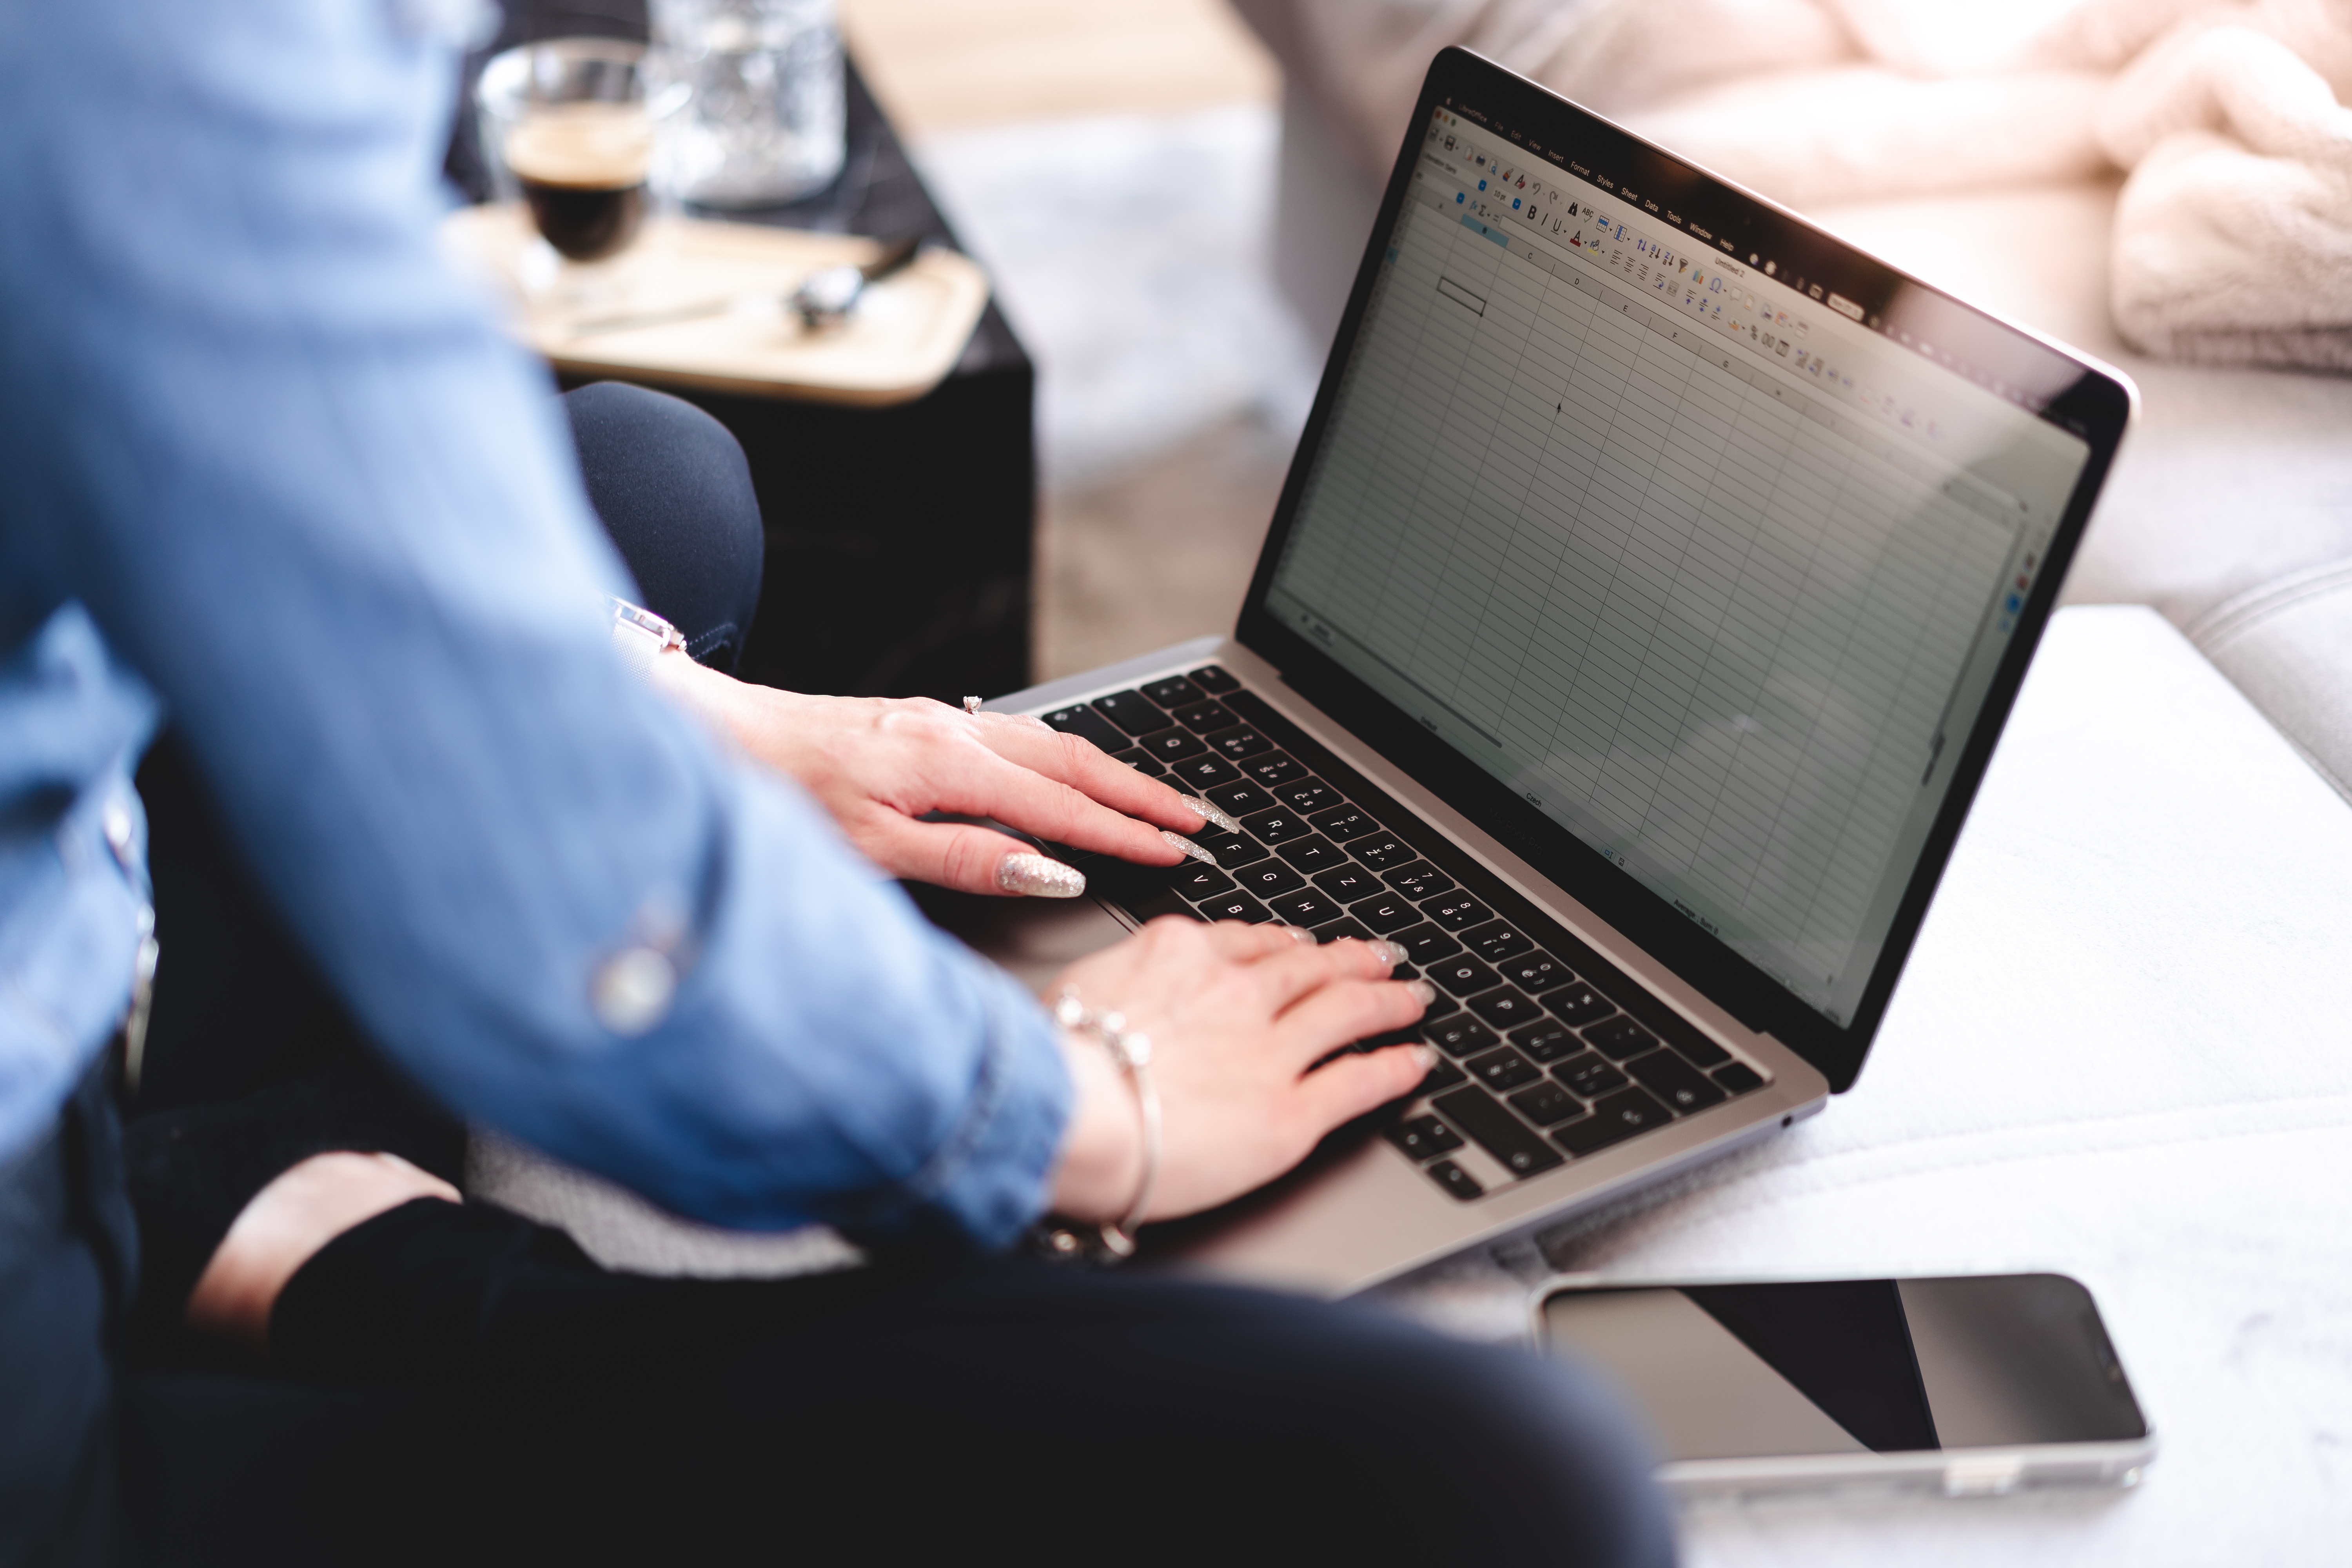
x=304, y=488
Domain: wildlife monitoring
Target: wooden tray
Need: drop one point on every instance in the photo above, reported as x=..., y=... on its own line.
x=901, y=341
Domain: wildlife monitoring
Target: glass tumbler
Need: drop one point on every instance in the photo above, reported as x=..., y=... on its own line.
x=569, y=127
x=763, y=117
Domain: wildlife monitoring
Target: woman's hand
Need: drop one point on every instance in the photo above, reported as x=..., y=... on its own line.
x=1236, y=1014
x=878, y=763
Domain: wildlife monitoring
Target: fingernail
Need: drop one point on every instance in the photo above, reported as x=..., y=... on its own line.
x=1208, y=812
x=1036, y=876
x=1300, y=935
x=1422, y=991
x=1186, y=844
x=1428, y=1056
x=1387, y=951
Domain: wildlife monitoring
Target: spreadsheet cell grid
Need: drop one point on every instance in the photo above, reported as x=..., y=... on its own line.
x=1720, y=628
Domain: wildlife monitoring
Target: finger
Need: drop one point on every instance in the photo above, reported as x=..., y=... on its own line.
x=1078, y=763
x=1241, y=943
x=1346, y=1011
x=989, y=786
x=1352, y=1085
x=968, y=858
x=1286, y=977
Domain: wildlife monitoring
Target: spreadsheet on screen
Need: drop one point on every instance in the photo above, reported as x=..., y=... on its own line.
x=1705, y=570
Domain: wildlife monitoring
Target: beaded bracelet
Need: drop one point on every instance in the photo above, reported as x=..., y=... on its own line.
x=1131, y=1049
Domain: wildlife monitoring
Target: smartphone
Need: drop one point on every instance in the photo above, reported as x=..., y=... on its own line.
x=1969, y=1385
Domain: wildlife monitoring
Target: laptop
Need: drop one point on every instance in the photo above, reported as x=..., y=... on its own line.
x=1651, y=584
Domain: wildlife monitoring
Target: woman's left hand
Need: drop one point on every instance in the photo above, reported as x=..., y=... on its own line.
x=877, y=764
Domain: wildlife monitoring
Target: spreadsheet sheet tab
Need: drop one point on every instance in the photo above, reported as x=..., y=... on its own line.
x=1716, y=625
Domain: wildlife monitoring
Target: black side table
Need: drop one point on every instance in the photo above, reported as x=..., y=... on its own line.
x=899, y=538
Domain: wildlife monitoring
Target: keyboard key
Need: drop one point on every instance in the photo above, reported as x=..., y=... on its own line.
x=1174, y=692
x=1211, y=679
x=1088, y=725
x=1268, y=878
x=1172, y=746
x=1240, y=743
x=1418, y=880
x=1333, y=931
x=1313, y=855
x=1347, y=883
x=1462, y=974
x=1141, y=761
x=1308, y=795
x=1702, y=1052
x=1457, y=912
x=1304, y=908
x=1200, y=775
x=1232, y=849
x=1132, y=713
x=1277, y=825
x=1547, y=1104
x=1385, y=914
x=1578, y=1003
x=1425, y=1136
x=1739, y=1078
x=1503, y=1069
x=1589, y=1076
x=1203, y=717
x=1455, y=1180
x=1506, y=1006
x=1622, y=1115
x=1425, y=944
x=1381, y=850
x=1547, y=1040
x=1535, y=972
x=1495, y=941
x=1234, y=907
x=1240, y=799
x=1161, y=901
x=1444, y=1075
x=1459, y=1035
x=1682, y=1085
x=1342, y=823
x=1470, y=1111
x=1273, y=768
x=1201, y=881
x=1621, y=1037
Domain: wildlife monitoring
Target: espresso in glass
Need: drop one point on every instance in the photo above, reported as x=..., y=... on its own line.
x=582, y=167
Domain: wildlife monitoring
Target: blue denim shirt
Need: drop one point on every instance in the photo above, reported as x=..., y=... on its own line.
x=267, y=466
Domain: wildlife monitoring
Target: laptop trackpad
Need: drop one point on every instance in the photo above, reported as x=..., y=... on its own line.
x=1036, y=939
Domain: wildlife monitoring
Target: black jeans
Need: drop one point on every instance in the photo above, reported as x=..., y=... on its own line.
x=454, y=1382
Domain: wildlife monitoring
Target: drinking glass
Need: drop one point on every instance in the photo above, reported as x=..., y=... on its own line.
x=568, y=126
x=762, y=122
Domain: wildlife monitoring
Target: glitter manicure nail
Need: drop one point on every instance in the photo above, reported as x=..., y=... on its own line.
x=1389, y=953
x=1186, y=844
x=1036, y=876
x=1211, y=813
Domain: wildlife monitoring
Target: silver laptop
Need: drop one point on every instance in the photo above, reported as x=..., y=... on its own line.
x=1652, y=579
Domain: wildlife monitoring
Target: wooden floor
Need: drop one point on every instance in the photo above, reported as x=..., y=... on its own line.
x=952, y=65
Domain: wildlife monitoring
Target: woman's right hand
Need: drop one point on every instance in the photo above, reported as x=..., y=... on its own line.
x=1236, y=1014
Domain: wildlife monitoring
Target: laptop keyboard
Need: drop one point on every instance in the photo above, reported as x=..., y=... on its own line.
x=1551, y=1053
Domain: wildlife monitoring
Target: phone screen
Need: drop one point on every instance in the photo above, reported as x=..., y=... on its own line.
x=1730, y=1372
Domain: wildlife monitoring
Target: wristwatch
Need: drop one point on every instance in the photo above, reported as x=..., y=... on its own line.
x=641, y=637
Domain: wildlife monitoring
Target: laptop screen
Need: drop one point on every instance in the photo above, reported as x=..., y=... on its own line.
x=1709, y=561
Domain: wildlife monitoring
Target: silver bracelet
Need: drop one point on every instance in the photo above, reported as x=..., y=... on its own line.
x=1131, y=1049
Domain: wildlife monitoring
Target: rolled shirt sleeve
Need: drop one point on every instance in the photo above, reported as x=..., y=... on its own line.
x=260, y=431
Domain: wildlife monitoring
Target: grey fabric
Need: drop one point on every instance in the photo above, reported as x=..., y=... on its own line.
x=2288, y=646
